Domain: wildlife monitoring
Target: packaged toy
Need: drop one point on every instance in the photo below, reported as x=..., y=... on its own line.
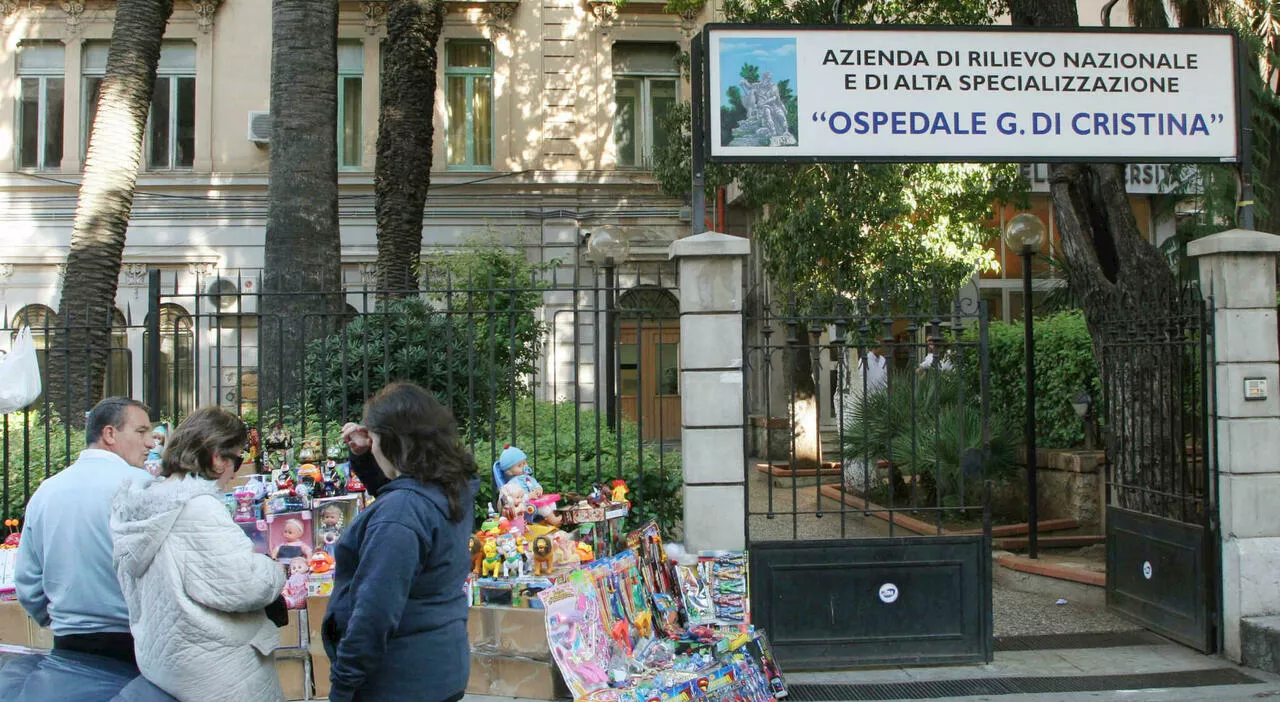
x=576, y=633
x=289, y=536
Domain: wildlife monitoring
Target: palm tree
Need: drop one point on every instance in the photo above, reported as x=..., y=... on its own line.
x=81, y=343
x=403, y=171
x=302, y=271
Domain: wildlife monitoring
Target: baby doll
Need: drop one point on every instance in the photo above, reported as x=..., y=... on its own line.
x=293, y=546
x=514, y=465
x=156, y=453
x=330, y=529
x=295, y=588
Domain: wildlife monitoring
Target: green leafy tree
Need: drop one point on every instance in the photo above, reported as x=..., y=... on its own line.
x=837, y=231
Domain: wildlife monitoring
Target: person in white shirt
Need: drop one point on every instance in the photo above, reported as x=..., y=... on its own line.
x=943, y=360
x=64, y=576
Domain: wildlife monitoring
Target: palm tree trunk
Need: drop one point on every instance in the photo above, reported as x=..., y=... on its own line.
x=302, y=275
x=81, y=342
x=403, y=171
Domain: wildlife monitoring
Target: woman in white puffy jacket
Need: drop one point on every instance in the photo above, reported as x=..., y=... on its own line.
x=196, y=590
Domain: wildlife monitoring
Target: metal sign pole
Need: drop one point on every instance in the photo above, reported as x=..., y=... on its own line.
x=1245, y=163
x=698, y=97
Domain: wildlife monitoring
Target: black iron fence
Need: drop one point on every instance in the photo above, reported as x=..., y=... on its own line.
x=870, y=408
x=1157, y=378
x=577, y=365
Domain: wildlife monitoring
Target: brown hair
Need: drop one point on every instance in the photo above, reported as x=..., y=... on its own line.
x=420, y=437
x=205, y=433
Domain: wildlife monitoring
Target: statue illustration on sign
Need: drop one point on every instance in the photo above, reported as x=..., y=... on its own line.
x=761, y=108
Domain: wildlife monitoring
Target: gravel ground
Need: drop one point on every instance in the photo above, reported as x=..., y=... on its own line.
x=1020, y=614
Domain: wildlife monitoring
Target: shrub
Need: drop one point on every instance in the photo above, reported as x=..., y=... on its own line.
x=1065, y=366
x=473, y=340
x=561, y=463
x=34, y=450
x=925, y=428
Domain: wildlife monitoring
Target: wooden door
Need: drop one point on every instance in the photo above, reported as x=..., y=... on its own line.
x=649, y=377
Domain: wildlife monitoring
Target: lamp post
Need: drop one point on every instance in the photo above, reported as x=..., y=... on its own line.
x=1023, y=234
x=605, y=247
x=1081, y=405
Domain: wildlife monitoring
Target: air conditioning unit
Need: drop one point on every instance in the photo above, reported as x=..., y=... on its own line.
x=260, y=126
x=233, y=295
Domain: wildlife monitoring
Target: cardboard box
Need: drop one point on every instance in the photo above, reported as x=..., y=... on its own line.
x=507, y=676
x=14, y=624
x=292, y=674
x=316, y=607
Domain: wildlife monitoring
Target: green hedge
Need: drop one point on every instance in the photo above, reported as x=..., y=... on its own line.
x=1065, y=365
x=41, y=449
x=562, y=464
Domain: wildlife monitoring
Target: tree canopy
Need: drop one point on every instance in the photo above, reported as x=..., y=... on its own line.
x=856, y=228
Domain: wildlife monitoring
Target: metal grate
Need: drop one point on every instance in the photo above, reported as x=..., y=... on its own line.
x=1014, y=686
x=1105, y=639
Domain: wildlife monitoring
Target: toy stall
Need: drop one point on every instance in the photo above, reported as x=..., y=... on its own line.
x=623, y=616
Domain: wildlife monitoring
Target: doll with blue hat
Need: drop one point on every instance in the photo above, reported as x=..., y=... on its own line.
x=512, y=466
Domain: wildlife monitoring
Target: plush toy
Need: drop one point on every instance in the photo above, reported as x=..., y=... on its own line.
x=512, y=561
x=476, y=545
x=620, y=491
x=543, y=556
x=321, y=562
x=492, y=561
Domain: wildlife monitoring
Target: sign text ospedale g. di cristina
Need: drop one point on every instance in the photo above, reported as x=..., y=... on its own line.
x=795, y=93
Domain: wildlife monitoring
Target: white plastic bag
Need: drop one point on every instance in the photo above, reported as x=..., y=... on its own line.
x=19, y=374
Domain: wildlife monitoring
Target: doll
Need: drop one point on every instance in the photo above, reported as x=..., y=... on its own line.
x=293, y=546
x=330, y=529
x=514, y=467
x=156, y=453
x=244, y=507
x=513, y=497
x=295, y=588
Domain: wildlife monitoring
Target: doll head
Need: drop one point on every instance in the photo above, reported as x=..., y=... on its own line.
x=298, y=566
x=513, y=462
x=293, y=530
x=331, y=516
x=158, y=435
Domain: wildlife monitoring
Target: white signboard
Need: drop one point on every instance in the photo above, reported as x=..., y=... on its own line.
x=785, y=93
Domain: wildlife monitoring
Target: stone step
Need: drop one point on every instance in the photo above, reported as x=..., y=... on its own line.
x=1260, y=642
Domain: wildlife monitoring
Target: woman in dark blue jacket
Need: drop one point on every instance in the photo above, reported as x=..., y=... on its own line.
x=396, y=628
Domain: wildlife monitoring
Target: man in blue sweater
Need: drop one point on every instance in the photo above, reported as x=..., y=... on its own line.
x=64, y=576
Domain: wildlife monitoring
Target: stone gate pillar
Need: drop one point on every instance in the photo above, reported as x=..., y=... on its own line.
x=1238, y=269
x=711, y=387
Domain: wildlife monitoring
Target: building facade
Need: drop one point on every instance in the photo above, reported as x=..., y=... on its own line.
x=545, y=123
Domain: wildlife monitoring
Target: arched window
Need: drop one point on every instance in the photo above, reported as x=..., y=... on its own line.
x=177, y=363
x=648, y=303
x=42, y=321
x=119, y=380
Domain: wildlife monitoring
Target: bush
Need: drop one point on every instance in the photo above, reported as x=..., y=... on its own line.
x=473, y=340
x=38, y=448
x=1065, y=366
x=923, y=430
x=545, y=431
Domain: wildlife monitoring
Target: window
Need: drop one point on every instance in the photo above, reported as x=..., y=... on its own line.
x=40, y=98
x=171, y=127
x=469, y=103
x=119, y=380
x=177, y=362
x=350, y=92
x=645, y=85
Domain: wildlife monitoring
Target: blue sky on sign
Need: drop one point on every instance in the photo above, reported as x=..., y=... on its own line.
x=777, y=56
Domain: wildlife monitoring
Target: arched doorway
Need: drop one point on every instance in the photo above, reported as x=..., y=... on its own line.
x=649, y=361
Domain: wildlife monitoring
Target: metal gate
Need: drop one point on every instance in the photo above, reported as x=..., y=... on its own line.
x=1162, y=517
x=879, y=551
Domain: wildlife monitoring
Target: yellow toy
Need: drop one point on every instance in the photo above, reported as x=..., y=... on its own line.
x=644, y=625
x=492, y=561
x=586, y=554
x=620, y=491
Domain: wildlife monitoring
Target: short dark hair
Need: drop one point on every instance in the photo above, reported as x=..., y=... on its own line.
x=108, y=413
x=204, y=434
